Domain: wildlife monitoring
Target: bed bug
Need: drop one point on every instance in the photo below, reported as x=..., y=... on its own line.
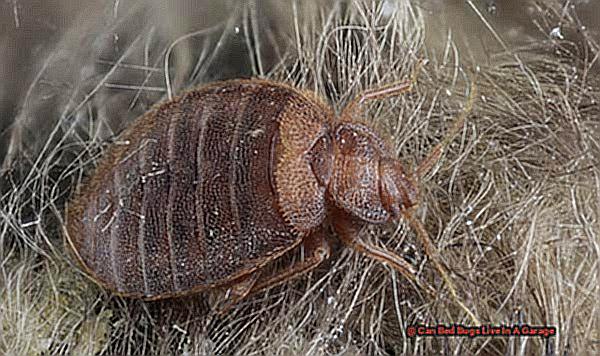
x=207, y=189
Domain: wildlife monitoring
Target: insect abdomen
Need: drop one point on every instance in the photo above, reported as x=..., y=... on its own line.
x=187, y=203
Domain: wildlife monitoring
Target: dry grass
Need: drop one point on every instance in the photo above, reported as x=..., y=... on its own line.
x=513, y=205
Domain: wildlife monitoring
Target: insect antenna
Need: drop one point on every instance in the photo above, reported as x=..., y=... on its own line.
x=434, y=254
x=423, y=168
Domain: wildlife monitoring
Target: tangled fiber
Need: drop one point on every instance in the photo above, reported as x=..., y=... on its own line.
x=513, y=205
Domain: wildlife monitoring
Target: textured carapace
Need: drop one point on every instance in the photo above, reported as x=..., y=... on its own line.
x=211, y=186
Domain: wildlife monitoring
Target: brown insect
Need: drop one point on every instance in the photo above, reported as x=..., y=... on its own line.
x=207, y=189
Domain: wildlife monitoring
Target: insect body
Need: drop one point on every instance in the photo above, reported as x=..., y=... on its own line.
x=213, y=185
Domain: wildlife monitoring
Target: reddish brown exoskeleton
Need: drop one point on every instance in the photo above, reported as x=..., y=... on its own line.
x=215, y=184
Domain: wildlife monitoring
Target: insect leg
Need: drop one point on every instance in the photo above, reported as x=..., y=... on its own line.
x=237, y=291
x=316, y=249
x=385, y=91
x=348, y=233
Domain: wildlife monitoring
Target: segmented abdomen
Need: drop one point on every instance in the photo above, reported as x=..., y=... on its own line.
x=186, y=199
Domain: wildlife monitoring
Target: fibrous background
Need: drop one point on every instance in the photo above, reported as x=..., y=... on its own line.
x=512, y=205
